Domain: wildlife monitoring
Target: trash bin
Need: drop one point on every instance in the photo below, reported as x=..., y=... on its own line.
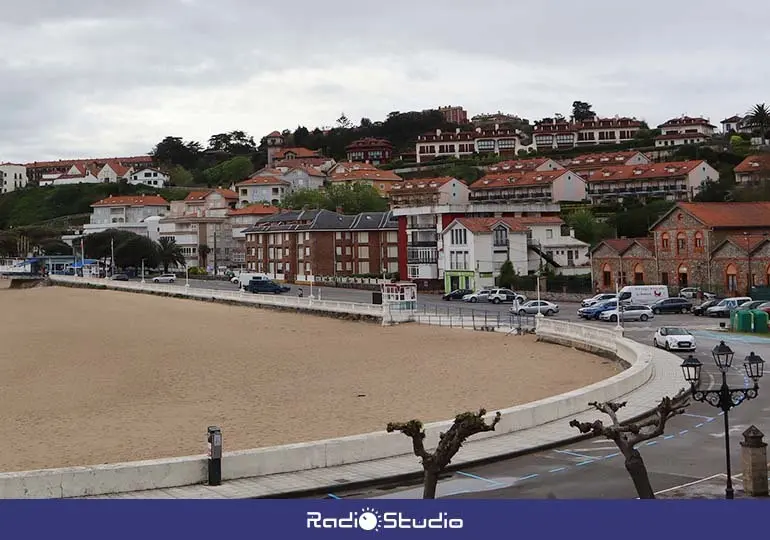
x=742, y=319
x=377, y=297
x=760, y=321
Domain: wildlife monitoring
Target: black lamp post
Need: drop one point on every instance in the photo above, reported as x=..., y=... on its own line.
x=724, y=398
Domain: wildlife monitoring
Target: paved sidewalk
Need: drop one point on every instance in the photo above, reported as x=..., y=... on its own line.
x=665, y=381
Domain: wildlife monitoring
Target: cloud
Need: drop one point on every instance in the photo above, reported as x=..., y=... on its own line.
x=89, y=78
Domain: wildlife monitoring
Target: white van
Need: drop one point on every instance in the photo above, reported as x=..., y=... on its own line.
x=642, y=294
x=243, y=278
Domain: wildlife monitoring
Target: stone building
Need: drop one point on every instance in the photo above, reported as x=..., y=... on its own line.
x=632, y=260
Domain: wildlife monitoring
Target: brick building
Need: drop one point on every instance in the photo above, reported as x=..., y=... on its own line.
x=711, y=245
x=297, y=245
x=370, y=150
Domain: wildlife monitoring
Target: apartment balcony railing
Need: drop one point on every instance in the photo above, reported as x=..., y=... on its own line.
x=459, y=265
x=500, y=243
x=422, y=244
x=422, y=255
x=517, y=196
x=416, y=225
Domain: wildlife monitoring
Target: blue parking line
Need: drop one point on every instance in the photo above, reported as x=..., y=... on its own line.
x=584, y=463
x=583, y=456
x=699, y=425
x=683, y=431
x=667, y=437
x=709, y=420
x=557, y=470
x=477, y=477
x=333, y=496
x=611, y=455
x=528, y=477
x=651, y=443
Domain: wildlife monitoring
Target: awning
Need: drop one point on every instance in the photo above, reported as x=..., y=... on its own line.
x=86, y=262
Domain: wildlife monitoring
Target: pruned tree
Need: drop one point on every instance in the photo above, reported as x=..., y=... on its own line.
x=465, y=425
x=627, y=436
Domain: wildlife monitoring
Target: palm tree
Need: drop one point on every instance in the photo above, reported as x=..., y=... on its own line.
x=759, y=118
x=169, y=253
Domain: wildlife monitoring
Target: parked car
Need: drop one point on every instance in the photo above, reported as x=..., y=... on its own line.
x=119, y=277
x=673, y=338
x=264, y=286
x=593, y=312
x=692, y=292
x=643, y=295
x=534, y=307
x=671, y=305
x=701, y=308
x=164, y=278
x=598, y=298
x=627, y=313
x=496, y=296
x=244, y=278
x=478, y=296
x=765, y=307
x=726, y=305
x=456, y=294
x=751, y=304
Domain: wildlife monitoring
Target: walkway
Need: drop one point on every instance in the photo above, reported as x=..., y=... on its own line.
x=666, y=381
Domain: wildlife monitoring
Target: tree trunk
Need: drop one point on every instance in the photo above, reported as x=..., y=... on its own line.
x=430, y=481
x=637, y=470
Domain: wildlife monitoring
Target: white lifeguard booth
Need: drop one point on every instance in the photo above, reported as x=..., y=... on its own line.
x=399, y=302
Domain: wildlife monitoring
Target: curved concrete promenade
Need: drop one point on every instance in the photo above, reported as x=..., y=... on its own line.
x=369, y=457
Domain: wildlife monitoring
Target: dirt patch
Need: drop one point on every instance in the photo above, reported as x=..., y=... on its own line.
x=90, y=377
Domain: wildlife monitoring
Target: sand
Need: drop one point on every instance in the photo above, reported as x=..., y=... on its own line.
x=89, y=377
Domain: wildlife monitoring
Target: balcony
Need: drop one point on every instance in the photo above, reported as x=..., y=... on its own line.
x=427, y=255
x=422, y=244
x=421, y=225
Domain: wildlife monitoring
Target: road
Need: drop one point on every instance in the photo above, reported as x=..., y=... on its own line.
x=691, y=449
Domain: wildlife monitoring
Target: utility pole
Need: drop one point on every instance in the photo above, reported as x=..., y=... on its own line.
x=215, y=250
x=112, y=254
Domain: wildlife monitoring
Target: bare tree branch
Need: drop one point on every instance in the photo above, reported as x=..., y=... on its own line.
x=414, y=430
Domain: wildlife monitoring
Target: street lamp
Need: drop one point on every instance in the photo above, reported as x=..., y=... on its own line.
x=724, y=398
x=187, y=275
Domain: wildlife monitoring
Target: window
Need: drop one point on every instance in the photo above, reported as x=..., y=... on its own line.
x=348, y=251
x=501, y=236
x=307, y=251
x=348, y=266
x=363, y=267
x=338, y=235
x=549, y=233
x=681, y=242
x=683, y=275
x=606, y=275
x=459, y=237
x=638, y=275
x=699, y=241
x=664, y=278
x=339, y=250
x=363, y=237
x=363, y=253
x=414, y=271
x=731, y=278
x=664, y=241
x=392, y=237
x=458, y=260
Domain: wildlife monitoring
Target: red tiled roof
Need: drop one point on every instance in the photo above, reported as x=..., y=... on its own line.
x=686, y=121
x=268, y=172
x=611, y=123
x=732, y=120
x=365, y=174
x=607, y=158
x=752, y=241
x=275, y=134
x=201, y=195
x=119, y=169
x=641, y=172
x=70, y=162
x=760, y=162
x=423, y=185
x=133, y=200
x=262, y=181
x=541, y=220
x=305, y=161
x=481, y=225
x=298, y=151
x=729, y=215
x=621, y=245
x=517, y=179
x=681, y=136
x=369, y=142
x=312, y=171
x=255, y=210
x=518, y=165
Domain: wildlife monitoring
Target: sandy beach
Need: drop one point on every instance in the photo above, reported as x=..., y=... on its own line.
x=89, y=377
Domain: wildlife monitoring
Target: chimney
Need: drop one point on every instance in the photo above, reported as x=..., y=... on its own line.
x=457, y=130
x=438, y=132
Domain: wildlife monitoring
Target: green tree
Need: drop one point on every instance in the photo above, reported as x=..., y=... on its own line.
x=174, y=151
x=8, y=243
x=228, y=172
x=740, y=146
x=136, y=249
x=581, y=111
x=55, y=247
x=507, y=275
x=310, y=198
x=181, y=176
x=759, y=119
x=234, y=143
x=352, y=199
x=170, y=253
x=587, y=228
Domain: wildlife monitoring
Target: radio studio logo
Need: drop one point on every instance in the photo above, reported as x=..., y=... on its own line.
x=370, y=519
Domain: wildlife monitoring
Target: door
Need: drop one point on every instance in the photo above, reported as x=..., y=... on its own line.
x=454, y=283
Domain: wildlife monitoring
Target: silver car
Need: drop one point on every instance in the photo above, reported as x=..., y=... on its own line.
x=534, y=307
x=165, y=278
x=628, y=313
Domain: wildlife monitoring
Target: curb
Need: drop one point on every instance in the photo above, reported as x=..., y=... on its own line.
x=388, y=480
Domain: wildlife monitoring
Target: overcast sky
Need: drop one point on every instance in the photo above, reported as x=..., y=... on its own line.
x=95, y=78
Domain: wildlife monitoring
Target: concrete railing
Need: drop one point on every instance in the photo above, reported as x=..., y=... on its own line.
x=279, y=300
x=164, y=473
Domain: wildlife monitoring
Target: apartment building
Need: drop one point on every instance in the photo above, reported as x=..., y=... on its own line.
x=675, y=181
x=753, y=170
x=500, y=141
x=454, y=114
x=718, y=246
x=534, y=186
x=559, y=132
x=370, y=150
x=13, y=176
x=128, y=213
x=238, y=221
x=382, y=181
x=299, y=246
x=262, y=189
x=148, y=176
x=684, y=130
x=550, y=241
x=202, y=219
x=525, y=165
x=38, y=169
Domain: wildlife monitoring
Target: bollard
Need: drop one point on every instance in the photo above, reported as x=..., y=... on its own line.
x=754, y=457
x=215, y=455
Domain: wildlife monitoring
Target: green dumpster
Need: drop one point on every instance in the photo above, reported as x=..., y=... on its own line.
x=760, y=321
x=741, y=320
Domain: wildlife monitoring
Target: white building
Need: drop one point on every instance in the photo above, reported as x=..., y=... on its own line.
x=13, y=176
x=476, y=248
x=546, y=186
x=262, y=189
x=304, y=177
x=127, y=213
x=559, y=132
x=458, y=143
x=149, y=177
x=113, y=171
x=552, y=242
x=684, y=130
x=77, y=174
